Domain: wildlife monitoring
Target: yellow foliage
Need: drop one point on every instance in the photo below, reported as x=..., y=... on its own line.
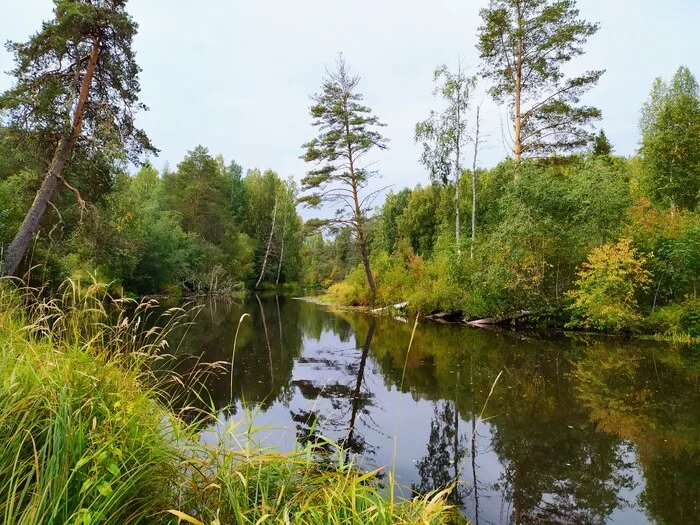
x=605, y=294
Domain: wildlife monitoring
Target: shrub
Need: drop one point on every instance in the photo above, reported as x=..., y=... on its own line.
x=605, y=294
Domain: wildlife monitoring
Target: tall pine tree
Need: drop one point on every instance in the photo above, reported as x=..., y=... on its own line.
x=76, y=86
x=347, y=133
x=523, y=45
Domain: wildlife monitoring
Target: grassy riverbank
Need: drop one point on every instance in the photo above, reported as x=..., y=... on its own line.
x=675, y=323
x=87, y=436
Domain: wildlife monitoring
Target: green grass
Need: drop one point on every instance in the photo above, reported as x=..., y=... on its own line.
x=86, y=436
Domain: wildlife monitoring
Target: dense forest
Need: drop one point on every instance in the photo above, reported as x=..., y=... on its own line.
x=562, y=232
x=204, y=227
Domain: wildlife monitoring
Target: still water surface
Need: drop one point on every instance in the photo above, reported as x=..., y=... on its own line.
x=577, y=430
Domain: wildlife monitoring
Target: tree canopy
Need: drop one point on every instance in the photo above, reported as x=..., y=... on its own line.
x=523, y=45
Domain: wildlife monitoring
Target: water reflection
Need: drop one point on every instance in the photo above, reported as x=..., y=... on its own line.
x=577, y=430
x=440, y=467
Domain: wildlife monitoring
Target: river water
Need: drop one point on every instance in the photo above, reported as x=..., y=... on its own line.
x=576, y=429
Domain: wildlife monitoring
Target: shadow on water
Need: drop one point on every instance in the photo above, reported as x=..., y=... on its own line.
x=578, y=429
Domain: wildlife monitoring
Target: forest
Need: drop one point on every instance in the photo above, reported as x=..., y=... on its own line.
x=563, y=232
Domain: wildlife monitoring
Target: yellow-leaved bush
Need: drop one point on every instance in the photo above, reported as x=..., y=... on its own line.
x=607, y=286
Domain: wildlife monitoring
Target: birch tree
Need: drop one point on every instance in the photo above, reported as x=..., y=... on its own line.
x=444, y=134
x=670, y=146
x=269, y=242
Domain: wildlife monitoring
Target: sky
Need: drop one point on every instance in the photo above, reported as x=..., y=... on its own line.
x=236, y=75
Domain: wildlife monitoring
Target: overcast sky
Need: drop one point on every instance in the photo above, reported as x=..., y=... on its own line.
x=235, y=76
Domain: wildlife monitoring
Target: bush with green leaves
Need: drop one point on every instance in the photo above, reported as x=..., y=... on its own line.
x=605, y=297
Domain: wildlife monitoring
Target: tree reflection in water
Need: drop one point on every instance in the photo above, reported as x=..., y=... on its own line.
x=440, y=467
x=578, y=430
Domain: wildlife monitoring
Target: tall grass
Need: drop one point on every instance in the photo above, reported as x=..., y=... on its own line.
x=86, y=436
x=82, y=438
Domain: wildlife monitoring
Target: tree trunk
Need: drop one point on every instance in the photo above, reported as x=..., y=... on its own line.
x=476, y=153
x=473, y=445
x=456, y=441
x=269, y=243
x=365, y=256
x=459, y=248
x=517, y=146
x=284, y=233
x=359, y=222
x=267, y=339
x=356, y=395
x=18, y=247
x=458, y=171
x=279, y=268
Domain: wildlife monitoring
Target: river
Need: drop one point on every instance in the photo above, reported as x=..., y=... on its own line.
x=577, y=429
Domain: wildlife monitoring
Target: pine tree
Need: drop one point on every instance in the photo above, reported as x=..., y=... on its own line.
x=347, y=133
x=76, y=86
x=523, y=45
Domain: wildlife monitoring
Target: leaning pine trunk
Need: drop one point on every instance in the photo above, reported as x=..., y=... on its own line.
x=18, y=247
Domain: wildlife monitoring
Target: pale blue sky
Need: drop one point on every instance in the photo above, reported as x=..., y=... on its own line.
x=235, y=75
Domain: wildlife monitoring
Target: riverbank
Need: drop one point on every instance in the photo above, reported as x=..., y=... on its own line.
x=89, y=438
x=667, y=324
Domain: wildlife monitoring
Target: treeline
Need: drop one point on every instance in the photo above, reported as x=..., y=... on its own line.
x=203, y=227
x=591, y=240
x=562, y=231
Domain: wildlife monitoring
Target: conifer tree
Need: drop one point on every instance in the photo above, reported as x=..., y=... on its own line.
x=76, y=85
x=523, y=45
x=347, y=133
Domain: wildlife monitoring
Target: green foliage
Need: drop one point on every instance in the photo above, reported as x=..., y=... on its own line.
x=385, y=234
x=271, y=203
x=534, y=235
x=197, y=191
x=673, y=238
x=444, y=135
x=353, y=290
x=83, y=440
x=670, y=148
x=601, y=145
x=605, y=294
x=46, y=83
x=524, y=45
x=417, y=226
x=154, y=233
x=86, y=439
x=13, y=203
x=678, y=321
x=347, y=133
x=133, y=241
